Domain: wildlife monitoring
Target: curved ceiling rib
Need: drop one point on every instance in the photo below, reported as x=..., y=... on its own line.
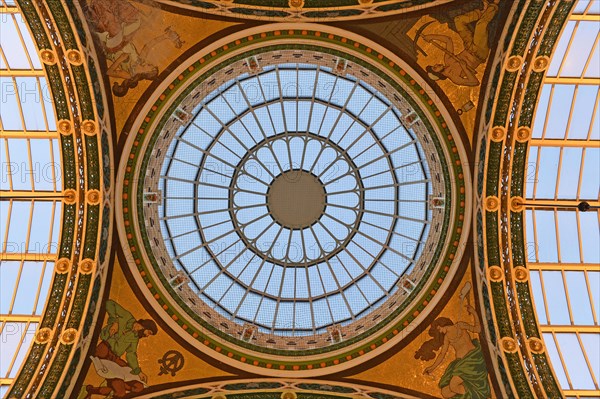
x=30, y=191
x=562, y=232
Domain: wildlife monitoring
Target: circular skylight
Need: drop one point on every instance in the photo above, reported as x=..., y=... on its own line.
x=294, y=198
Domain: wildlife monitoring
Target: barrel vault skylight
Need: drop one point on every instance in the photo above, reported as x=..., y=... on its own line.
x=562, y=215
x=30, y=202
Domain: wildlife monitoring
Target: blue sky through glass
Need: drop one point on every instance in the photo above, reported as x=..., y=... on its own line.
x=30, y=163
x=563, y=243
x=252, y=267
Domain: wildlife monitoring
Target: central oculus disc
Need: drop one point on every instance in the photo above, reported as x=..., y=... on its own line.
x=296, y=199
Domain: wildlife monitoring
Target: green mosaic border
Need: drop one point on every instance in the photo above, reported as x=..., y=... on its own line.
x=530, y=27
x=390, y=331
x=275, y=390
x=311, y=11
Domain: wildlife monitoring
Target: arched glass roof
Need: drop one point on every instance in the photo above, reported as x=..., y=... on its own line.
x=295, y=199
x=31, y=189
x=564, y=241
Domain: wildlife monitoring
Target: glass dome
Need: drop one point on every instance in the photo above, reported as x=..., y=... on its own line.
x=294, y=198
x=289, y=203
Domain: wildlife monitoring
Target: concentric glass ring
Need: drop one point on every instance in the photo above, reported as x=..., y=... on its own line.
x=294, y=199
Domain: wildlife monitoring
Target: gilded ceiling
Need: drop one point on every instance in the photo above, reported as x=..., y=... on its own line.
x=305, y=199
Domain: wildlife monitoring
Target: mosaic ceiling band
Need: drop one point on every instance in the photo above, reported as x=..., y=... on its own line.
x=305, y=10
x=83, y=131
x=279, y=389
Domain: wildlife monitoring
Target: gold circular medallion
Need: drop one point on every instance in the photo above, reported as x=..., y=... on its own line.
x=541, y=63
x=65, y=127
x=520, y=273
x=492, y=203
x=68, y=336
x=517, y=204
x=296, y=3
x=69, y=196
x=514, y=63
x=86, y=266
x=62, y=266
x=88, y=127
x=536, y=345
x=498, y=133
x=74, y=57
x=48, y=57
x=43, y=335
x=93, y=197
x=523, y=134
x=508, y=344
x=495, y=273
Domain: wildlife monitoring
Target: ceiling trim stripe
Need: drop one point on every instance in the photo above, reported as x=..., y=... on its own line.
x=304, y=10
x=266, y=388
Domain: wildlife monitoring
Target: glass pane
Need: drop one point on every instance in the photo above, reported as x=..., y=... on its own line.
x=556, y=361
x=569, y=172
x=578, y=296
x=10, y=112
x=561, y=48
x=577, y=368
x=585, y=102
x=591, y=344
x=28, y=40
x=546, y=236
x=590, y=180
x=31, y=101
x=557, y=299
x=541, y=111
x=11, y=43
x=569, y=238
x=580, y=49
x=547, y=172
x=559, y=111
x=538, y=296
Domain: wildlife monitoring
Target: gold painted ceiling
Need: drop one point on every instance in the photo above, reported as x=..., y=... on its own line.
x=162, y=106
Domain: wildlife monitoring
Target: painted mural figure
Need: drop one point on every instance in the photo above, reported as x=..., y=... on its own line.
x=461, y=68
x=116, y=22
x=120, y=337
x=466, y=377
